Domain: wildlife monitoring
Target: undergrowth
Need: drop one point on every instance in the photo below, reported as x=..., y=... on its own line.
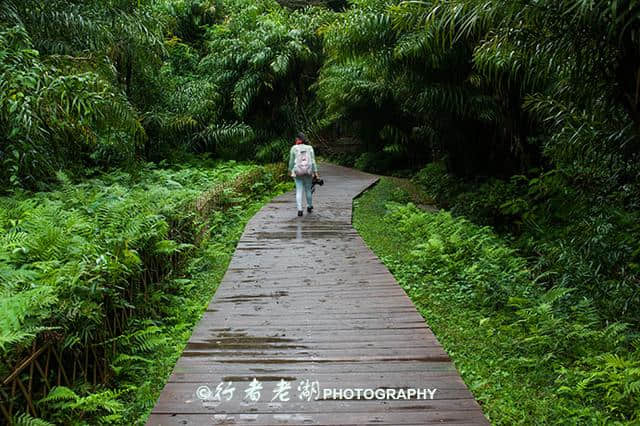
x=527, y=354
x=114, y=272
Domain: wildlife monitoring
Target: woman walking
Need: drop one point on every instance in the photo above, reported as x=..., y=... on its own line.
x=303, y=168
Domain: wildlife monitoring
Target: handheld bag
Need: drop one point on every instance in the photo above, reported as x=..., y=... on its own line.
x=302, y=165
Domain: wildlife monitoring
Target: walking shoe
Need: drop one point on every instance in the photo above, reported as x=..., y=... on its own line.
x=299, y=212
x=309, y=209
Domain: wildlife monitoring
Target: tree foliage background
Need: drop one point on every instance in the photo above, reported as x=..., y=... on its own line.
x=93, y=85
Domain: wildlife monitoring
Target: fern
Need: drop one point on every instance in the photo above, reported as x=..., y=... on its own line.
x=103, y=405
x=228, y=136
x=26, y=419
x=59, y=395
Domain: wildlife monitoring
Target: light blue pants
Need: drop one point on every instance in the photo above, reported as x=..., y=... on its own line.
x=303, y=183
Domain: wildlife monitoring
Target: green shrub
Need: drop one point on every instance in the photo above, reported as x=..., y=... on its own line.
x=275, y=151
x=373, y=162
x=72, y=248
x=575, y=238
x=490, y=203
x=441, y=186
x=607, y=382
x=487, y=272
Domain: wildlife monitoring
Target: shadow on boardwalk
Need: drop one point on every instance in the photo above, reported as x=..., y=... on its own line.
x=307, y=311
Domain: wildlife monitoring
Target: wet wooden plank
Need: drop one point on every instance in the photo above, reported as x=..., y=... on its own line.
x=344, y=419
x=378, y=378
x=306, y=304
x=302, y=369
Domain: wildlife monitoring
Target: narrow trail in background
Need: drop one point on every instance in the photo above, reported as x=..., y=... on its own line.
x=306, y=303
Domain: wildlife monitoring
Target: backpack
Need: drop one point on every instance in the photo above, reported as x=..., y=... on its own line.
x=302, y=165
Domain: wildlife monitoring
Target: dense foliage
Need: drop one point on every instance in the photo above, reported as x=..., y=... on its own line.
x=474, y=81
x=578, y=240
x=66, y=85
x=105, y=266
x=262, y=60
x=93, y=84
x=72, y=254
x=525, y=352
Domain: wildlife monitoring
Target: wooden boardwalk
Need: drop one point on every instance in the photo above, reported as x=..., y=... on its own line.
x=306, y=304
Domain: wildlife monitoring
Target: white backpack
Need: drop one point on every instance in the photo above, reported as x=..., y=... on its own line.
x=302, y=165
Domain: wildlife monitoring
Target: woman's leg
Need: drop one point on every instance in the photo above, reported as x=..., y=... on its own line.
x=299, y=188
x=308, y=181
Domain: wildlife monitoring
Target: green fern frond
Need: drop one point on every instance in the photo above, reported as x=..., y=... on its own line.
x=225, y=134
x=59, y=394
x=25, y=419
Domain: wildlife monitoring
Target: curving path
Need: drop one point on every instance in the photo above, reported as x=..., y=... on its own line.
x=306, y=310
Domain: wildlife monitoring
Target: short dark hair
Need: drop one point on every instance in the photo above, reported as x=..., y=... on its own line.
x=302, y=137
